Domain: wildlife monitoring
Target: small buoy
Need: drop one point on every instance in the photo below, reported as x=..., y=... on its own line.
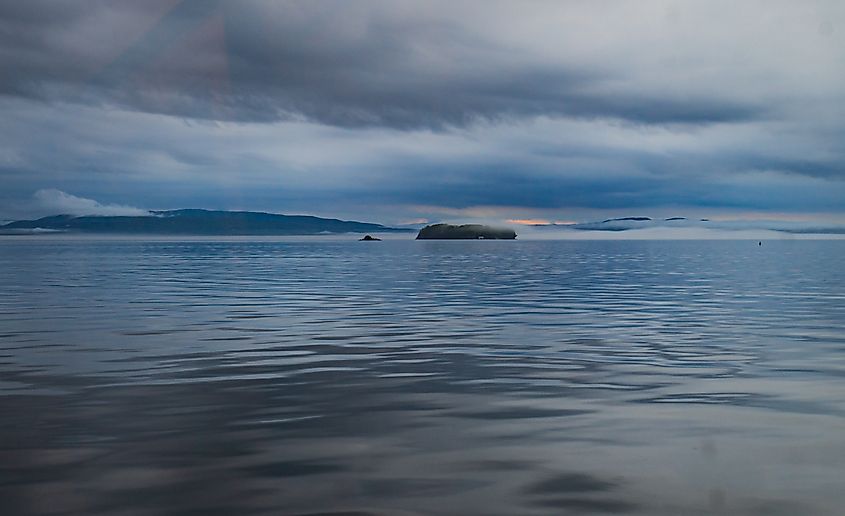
x=759, y=243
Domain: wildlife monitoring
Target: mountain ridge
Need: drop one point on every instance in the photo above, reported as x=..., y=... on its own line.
x=198, y=221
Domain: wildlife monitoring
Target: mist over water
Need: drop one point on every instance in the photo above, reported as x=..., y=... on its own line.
x=421, y=377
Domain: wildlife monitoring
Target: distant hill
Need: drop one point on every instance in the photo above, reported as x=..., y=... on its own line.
x=623, y=219
x=617, y=224
x=197, y=222
x=635, y=223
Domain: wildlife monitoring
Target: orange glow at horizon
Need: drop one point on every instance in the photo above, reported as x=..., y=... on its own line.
x=528, y=222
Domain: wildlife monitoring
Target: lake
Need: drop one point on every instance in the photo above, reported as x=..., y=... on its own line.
x=319, y=376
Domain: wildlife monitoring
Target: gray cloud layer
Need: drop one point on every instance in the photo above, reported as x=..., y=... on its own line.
x=390, y=64
x=399, y=106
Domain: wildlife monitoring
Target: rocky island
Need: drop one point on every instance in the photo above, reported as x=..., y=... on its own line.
x=465, y=232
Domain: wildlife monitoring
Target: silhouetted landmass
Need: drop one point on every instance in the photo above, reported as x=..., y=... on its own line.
x=617, y=224
x=816, y=231
x=369, y=238
x=198, y=222
x=464, y=232
x=639, y=219
x=634, y=223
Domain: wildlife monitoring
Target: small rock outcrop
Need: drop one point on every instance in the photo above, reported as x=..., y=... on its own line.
x=465, y=232
x=368, y=238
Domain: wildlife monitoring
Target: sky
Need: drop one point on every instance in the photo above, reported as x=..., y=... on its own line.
x=409, y=112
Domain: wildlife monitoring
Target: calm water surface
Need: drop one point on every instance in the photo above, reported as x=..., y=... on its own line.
x=402, y=377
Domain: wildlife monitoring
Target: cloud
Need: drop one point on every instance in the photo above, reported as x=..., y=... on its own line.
x=59, y=202
x=408, y=65
x=560, y=167
x=371, y=110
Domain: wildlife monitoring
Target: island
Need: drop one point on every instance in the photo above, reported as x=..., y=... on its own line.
x=196, y=222
x=464, y=232
x=369, y=238
x=626, y=219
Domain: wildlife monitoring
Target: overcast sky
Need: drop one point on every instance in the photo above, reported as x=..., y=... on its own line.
x=409, y=111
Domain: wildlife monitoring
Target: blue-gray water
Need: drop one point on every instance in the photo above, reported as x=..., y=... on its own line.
x=409, y=377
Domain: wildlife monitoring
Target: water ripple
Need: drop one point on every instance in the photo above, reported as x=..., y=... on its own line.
x=333, y=377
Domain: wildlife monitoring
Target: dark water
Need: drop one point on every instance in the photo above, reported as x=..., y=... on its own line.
x=402, y=377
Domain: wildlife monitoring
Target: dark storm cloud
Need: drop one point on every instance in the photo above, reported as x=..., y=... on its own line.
x=402, y=108
x=340, y=63
x=514, y=185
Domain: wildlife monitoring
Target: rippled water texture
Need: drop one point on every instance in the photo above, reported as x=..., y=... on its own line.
x=412, y=377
